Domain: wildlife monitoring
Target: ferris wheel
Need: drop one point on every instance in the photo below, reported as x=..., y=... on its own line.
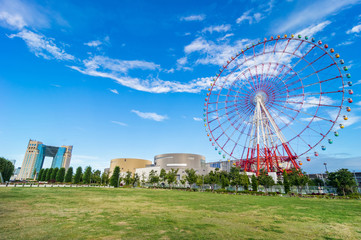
x=273, y=103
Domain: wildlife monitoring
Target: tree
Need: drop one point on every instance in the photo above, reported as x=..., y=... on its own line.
x=183, y=181
x=95, y=176
x=212, y=178
x=45, y=173
x=48, y=175
x=60, y=175
x=200, y=180
x=69, y=175
x=35, y=173
x=6, y=168
x=224, y=179
x=191, y=176
x=244, y=181
x=128, y=178
x=317, y=182
x=87, y=175
x=286, y=182
x=343, y=180
x=40, y=175
x=235, y=177
x=265, y=180
x=254, y=182
x=78, y=174
x=299, y=179
x=135, y=180
x=163, y=175
x=153, y=177
x=172, y=176
x=114, y=180
x=53, y=174
x=105, y=178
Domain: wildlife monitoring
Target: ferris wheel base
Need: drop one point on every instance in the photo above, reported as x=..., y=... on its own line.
x=277, y=165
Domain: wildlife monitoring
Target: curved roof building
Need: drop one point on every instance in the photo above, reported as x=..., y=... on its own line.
x=180, y=160
x=128, y=164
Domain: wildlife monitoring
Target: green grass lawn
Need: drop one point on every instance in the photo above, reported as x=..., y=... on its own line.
x=99, y=213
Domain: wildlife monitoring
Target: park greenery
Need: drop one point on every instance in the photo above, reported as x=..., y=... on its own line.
x=342, y=180
x=6, y=169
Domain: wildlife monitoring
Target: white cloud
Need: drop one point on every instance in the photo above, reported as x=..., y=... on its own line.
x=42, y=46
x=116, y=65
x=119, y=123
x=216, y=54
x=182, y=61
x=250, y=17
x=197, y=119
x=311, y=13
x=225, y=36
x=150, y=115
x=345, y=43
x=218, y=28
x=117, y=70
x=199, y=17
x=95, y=43
x=313, y=29
x=114, y=91
x=17, y=14
x=12, y=20
x=355, y=29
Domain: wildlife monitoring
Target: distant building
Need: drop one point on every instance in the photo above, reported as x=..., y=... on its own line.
x=35, y=155
x=182, y=161
x=143, y=173
x=127, y=164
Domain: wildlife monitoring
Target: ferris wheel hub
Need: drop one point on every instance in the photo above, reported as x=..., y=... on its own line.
x=260, y=96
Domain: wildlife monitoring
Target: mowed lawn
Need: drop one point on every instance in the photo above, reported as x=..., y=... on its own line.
x=101, y=213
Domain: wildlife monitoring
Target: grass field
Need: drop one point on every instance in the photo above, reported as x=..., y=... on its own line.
x=99, y=213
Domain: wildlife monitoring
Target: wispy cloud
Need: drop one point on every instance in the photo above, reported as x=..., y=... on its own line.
x=217, y=28
x=117, y=70
x=213, y=53
x=250, y=17
x=199, y=17
x=94, y=43
x=42, y=46
x=197, y=119
x=17, y=14
x=120, y=123
x=12, y=20
x=114, y=91
x=150, y=115
x=355, y=29
x=313, y=29
x=314, y=12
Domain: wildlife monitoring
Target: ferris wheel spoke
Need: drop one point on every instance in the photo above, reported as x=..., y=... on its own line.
x=306, y=113
x=297, y=135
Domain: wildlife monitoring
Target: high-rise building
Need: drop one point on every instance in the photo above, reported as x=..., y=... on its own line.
x=35, y=155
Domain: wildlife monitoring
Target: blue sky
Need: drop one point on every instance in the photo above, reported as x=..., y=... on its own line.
x=128, y=78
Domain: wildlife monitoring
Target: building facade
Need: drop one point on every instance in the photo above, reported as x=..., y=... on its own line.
x=35, y=155
x=182, y=161
x=127, y=164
